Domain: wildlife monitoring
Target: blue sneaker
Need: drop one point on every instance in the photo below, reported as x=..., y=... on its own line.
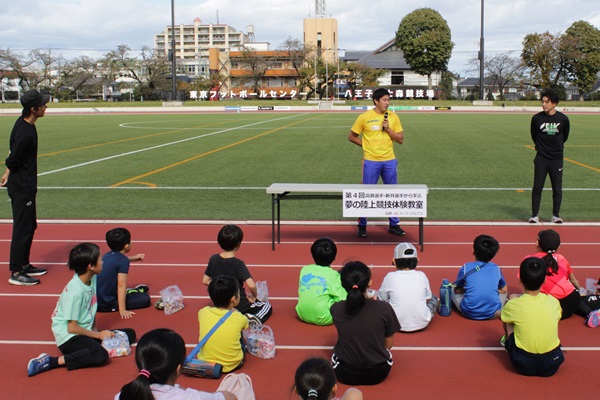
x=38, y=365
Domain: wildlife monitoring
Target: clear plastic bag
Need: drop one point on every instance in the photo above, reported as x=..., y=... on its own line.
x=591, y=286
x=118, y=345
x=260, y=341
x=263, y=291
x=172, y=299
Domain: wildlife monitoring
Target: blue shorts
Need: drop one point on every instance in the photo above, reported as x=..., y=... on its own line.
x=388, y=171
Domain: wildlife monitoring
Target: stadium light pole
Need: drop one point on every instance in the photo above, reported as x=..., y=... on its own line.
x=481, y=58
x=173, y=62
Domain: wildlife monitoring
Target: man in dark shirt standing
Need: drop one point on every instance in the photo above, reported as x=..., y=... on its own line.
x=20, y=179
x=549, y=132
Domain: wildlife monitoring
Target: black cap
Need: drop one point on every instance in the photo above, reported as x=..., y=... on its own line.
x=33, y=98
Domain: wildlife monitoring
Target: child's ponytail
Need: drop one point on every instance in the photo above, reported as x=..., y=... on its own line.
x=158, y=355
x=355, y=277
x=548, y=242
x=139, y=388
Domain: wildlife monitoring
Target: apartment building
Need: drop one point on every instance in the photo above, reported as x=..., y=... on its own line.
x=192, y=44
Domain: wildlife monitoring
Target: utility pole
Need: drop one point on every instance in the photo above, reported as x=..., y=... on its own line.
x=481, y=59
x=173, y=61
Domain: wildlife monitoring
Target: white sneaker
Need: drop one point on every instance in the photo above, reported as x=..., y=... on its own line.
x=534, y=220
x=556, y=220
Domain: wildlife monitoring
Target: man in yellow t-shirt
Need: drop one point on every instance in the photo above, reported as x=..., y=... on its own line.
x=530, y=324
x=376, y=131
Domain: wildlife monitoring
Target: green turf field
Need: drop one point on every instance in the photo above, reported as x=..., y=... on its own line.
x=217, y=166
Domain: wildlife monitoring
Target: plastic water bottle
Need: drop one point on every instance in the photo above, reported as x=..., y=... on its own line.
x=445, y=300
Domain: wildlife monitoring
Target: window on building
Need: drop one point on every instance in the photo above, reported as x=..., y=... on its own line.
x=397, y=77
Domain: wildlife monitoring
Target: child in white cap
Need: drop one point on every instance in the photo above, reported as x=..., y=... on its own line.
x=408, y=290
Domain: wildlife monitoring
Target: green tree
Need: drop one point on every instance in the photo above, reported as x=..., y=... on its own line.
x=546, y=56
x=426, y=41
x=447, y=86
x=360, y=75
x=584, y=64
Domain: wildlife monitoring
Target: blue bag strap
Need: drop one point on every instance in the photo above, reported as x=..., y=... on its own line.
x=476, y=269
x=207, y=336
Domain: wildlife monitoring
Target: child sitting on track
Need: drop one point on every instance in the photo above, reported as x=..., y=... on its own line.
x=319, y=285
x=408, y=290
x=225, y=345
x=560, y=281
x=74, y=318
x=230, y=239
x=159, y=356
x=113, y=294
x=530, y=324
x=315, y=380
x=365, y=330
x=480, y=295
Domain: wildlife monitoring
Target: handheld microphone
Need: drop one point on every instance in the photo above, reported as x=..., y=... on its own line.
x=385, y=117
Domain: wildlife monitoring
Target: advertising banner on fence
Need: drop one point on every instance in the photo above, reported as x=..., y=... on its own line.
x=409, y=202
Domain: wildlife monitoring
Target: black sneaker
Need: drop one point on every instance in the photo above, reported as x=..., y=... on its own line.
x=362, y=231
x=253, y=321
x=139, y=289
x=33, y=271
x=396, y=230
x=22, y=279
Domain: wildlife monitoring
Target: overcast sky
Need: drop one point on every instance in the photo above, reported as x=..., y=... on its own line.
x=93, y=27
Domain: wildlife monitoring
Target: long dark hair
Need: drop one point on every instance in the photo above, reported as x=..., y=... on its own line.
x=548, y=241
x=355, y=277
x=158, y=354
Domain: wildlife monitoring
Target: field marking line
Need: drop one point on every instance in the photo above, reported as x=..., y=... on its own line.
x=179, y=163
x=128, y=139
x=572, y=161
x=156, y=147
x=219, y=188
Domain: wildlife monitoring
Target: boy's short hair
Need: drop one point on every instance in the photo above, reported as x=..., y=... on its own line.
x=532, y=273
x=379, y=93
x=405, y=256
x=83, y=255
x=222, y=289
x=323, y=251
x=485, y=247
x=230, y=237
x=118, y=238
x=550, y=94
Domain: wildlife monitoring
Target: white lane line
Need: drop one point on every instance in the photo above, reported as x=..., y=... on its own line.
x=298, y=347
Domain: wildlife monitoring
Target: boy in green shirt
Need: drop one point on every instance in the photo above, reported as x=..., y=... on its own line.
x=320, y=285
x=74, y=318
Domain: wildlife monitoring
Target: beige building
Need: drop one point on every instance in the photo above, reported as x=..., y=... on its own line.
x=192, y=44
x=322, y=34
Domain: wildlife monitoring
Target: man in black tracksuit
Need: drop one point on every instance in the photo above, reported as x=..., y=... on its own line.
x=20, y=179
x=549, y=132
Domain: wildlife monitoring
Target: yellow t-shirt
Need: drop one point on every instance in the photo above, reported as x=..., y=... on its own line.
x=536, y=322
x=377, y=145
x=224, y=346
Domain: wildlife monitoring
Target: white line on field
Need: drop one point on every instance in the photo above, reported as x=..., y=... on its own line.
x=160, y=146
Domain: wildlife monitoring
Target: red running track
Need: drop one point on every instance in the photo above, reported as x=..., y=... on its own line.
x=453, y=358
